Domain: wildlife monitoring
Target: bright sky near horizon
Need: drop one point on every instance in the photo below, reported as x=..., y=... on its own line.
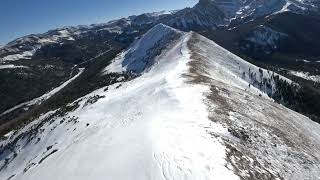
x=23, y=17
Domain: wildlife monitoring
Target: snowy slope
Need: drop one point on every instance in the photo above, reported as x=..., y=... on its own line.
x=141, y=54
x=188, y=115
x=229, y=67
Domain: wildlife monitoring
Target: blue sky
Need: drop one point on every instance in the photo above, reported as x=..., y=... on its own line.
x=22, y=17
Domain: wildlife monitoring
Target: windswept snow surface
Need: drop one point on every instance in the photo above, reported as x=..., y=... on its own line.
x=189, y=115
x=227, y=67
x=153, y=127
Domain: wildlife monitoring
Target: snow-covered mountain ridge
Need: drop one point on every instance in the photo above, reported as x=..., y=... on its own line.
x=188, y=114
x=141, y=53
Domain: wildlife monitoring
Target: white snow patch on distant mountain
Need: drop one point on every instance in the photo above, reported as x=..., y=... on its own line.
x=285, y=8
x=64, y=34
x=306, y=75
x=160, y=13
x=15, y=57
x=45, y=41
x=266, y=36
x=11, y=66
x=113, y=29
